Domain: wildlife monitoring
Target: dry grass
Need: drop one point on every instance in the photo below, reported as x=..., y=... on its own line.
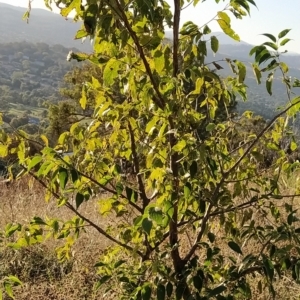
x=44, y=277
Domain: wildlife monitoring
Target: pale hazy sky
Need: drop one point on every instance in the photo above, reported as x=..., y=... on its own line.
x=272, y=16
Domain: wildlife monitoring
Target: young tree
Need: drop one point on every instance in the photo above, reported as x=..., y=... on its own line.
x=197, y=201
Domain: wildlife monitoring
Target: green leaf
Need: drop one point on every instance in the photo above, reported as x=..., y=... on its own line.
x=228, y=30
x=293, y=145
x=272, y=45
x=161, y=292
x=83, y=99
x=224, y=16
x=214, y=43
x=242, y=71
x=38, y=221
x=74, y=175
x=187, y=190
x=206, y=30
x=257, y=73
x=198, y=280
x=79, y=199
x=103, y=279
x=110, y=72
x=26, y=16
x=270, y=36
x=34, y=162
x=257, y=50
x=81, y=34
x=285, y=41
x=147, y=225
x=179, y=146
x=155, y=214
x=199, y=84
x=74, y=4
x=283, y=33
x=216, y=291
x=235, y=247
x=179, y=291
x=269, y=83
x=63, y=177
x=146, y=292
x=14, y=280
x=284, y=67
x=169, y=289
x=193, y=169
x=8, y=289
x=211, y=237
x=269, y=268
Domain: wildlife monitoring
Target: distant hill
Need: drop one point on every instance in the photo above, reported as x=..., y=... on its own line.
x=44, y=27
x=52, y=29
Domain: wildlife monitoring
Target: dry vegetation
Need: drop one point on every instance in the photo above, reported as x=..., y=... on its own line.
x=44, y=277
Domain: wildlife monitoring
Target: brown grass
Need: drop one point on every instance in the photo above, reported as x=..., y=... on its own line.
x=44, y=277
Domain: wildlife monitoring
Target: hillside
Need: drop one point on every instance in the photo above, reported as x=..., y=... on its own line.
x=44, y=27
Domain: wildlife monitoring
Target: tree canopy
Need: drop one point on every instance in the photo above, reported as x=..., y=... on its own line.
x=198, y=216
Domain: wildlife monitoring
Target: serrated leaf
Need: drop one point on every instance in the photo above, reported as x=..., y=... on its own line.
x=235, y=247
x=214, y=43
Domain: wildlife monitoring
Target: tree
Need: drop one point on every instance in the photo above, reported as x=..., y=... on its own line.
x=196, y=204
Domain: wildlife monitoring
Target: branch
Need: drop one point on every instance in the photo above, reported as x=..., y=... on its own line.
x=205, y=219
x=91, y=223
x=158, y=101
x=247, y=151
x=176, y=22
x=102, y=186
x=137, y=168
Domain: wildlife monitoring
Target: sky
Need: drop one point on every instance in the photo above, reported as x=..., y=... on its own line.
x=271, y=16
